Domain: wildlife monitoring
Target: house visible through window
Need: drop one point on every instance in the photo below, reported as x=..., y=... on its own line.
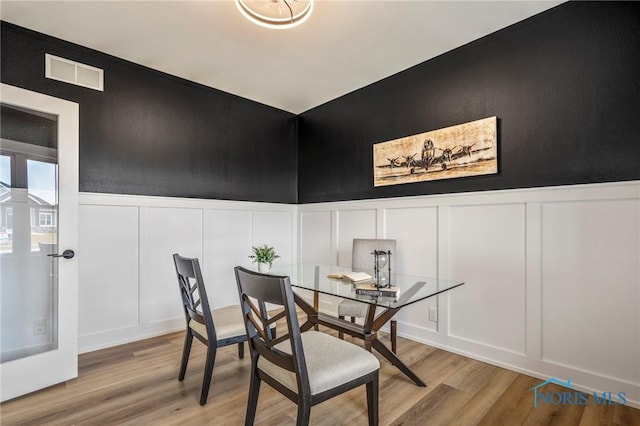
x=28, y=188
x=46, y=219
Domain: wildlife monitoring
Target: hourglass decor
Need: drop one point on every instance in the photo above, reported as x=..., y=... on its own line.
x=380, y=286
x=382, y=259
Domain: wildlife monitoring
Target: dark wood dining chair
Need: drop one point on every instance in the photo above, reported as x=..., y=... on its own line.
x=362, y=260
x=307, y=368
x=217, y=328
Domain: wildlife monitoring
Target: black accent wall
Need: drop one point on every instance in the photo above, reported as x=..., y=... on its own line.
x=565, y=86
x=150, y=133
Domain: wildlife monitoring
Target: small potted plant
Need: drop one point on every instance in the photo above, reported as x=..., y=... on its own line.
x=264, y=255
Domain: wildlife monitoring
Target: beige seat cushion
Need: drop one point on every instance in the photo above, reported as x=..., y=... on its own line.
x=351, y=308
x=227, y=321
x=330, y=362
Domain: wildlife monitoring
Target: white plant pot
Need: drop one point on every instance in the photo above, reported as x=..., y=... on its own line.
x=263, y=268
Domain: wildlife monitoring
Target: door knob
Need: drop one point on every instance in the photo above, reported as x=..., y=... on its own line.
x=67, y=254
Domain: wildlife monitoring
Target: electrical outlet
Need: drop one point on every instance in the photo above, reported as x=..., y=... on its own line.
x=433, y=314
x=39, y=327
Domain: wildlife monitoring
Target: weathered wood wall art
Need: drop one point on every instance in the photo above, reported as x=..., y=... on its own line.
x=467, y=149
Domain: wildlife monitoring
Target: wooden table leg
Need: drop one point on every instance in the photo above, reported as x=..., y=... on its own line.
x=316, y=306
x=312, y=314
x=393, y=359
x=375, y=325
x=394, y=331
x=367, y=332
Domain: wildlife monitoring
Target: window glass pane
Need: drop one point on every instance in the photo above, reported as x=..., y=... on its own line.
x=42, y=180
x=5, y=171
x=6, y=211
x=28, y=222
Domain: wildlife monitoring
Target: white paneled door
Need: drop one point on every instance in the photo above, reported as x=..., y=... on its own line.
x=38, y=223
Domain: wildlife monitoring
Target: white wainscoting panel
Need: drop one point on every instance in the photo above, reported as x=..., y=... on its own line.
x=277, y=230
x=316, y=238
x=590, y=286
x=487, y=251
x=227, y=242
x=108, y=268
x=416, y=233
x=128, y=285
x=354, y=224
x=166, y=231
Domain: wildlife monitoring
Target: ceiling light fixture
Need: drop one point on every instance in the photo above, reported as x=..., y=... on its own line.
x=279, y=14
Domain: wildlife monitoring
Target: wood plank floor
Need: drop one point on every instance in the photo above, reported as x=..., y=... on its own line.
x=136, y=384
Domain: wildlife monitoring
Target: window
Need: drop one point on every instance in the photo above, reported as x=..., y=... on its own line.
x=5, y=171
x=45, y=219
x=6, y=212
x=28, y=187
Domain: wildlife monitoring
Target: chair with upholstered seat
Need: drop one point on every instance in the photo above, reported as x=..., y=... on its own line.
x=308, y=368
x=362, y=260
x=217, y=328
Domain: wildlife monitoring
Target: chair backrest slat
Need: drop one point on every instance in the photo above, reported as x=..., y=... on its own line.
x=259, y=319
x=277, y=340
x=276, y=317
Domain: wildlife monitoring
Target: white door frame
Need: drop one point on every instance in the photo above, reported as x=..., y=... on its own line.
x=24, y=375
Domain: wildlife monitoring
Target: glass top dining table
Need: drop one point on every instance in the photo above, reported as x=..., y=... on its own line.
x=315, y=277
x=381, y=309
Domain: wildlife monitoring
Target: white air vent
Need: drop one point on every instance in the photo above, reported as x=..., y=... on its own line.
x=73, y=72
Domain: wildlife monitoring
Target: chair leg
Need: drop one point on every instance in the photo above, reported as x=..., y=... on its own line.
x=208, y=372
x=394, y=332
x=340, y=333
x=304, y=412
x=241, y=350
x=372, y=401
x=186, y=350
x=254, y=390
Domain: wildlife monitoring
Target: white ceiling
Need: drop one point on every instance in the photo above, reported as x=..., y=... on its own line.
x=345, y=45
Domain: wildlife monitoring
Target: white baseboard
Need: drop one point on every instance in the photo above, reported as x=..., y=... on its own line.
x=107, y=339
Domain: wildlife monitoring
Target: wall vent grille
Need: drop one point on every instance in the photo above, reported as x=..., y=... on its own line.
x=72, y=72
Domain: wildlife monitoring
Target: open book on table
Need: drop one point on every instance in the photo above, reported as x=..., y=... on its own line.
x=355, y=277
